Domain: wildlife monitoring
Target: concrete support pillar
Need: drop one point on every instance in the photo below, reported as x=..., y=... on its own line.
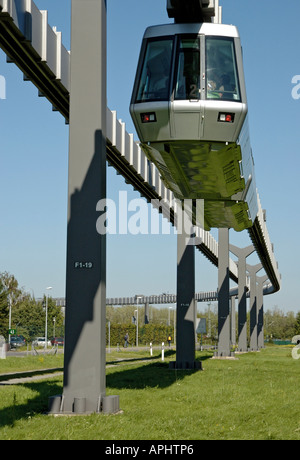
x=232, y=321
x=223, y=294
x=260, y=310
x=242, y=254
x=146, y=313
x=84, y=365
x=253, y=269
x=186, y=305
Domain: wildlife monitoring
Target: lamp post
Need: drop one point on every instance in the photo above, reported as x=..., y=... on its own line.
x=46, y=320
x=137, y=327
x=138, y=299
x=9, y=316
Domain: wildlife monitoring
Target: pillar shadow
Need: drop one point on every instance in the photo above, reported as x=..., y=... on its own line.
x=37, y=405
x=153, y=375
x=84, y=245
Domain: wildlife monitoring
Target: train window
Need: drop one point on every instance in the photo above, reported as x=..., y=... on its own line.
x=155, y=76
x=221, y=71
x=187, y=81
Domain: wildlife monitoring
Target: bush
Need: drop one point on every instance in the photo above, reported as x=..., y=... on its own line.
x=155, y=333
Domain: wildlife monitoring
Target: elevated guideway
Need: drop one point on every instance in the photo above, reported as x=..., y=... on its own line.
x=36, y=48
x=161, y=299
x=150, y=299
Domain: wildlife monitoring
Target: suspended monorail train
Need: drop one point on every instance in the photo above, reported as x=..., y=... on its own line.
x=189, y=108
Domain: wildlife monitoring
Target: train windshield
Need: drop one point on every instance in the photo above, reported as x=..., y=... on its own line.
x=221, y=70
x=187, y=82
x=155, y=77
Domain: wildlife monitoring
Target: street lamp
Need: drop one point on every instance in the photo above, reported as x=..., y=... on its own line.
x=137, y=326
x=138, y=299
x=46, y=326
x=9, y=316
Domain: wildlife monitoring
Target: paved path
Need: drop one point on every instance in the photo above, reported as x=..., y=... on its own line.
x=40, y=374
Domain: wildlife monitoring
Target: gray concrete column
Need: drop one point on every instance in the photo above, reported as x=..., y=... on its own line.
x=242, y=254
x=186, y=305
x=232, y=318
x=253, y=269
x=146, y=313
x=223, y=294
x=260, y=310
x=84, y=365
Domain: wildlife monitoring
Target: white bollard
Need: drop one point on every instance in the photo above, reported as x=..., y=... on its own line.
x=151, y=351
x=3, y=351
x=162, y=351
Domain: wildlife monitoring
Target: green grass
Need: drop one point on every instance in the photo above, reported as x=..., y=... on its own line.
x=12, y=364
x=253, y=397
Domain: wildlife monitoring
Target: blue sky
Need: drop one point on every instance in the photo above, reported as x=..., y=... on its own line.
x=34, y=155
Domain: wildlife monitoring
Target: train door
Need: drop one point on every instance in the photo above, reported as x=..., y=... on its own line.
x=185, y=103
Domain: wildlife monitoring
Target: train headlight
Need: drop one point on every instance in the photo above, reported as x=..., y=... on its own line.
x=148, y=117
x=226, y=117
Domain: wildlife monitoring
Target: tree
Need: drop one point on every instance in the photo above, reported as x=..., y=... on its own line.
x=29, y=318
x=9, y=296
x=279, y=325
x=27, y=315
x=54, y=312
x=297, y=324
x=3, y=310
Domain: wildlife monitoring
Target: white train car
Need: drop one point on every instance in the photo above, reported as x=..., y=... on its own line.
x=189, y=108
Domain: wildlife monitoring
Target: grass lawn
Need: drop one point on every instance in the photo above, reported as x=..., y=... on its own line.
x=253, y=397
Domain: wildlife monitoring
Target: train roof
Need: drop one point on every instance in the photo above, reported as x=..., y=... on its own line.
x=205, y=28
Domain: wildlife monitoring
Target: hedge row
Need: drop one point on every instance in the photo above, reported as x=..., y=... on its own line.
x=147, y=333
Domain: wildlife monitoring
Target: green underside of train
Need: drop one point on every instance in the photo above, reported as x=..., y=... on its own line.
x=208, y=171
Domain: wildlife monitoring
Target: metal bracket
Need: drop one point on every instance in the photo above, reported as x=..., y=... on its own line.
x=191, y=10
